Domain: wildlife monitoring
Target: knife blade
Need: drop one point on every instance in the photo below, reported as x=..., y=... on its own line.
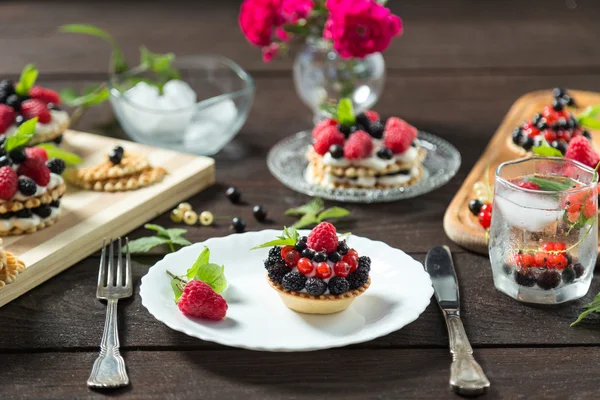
x=466, y=375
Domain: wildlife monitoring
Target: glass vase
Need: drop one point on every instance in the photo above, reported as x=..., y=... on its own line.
x=321, y=75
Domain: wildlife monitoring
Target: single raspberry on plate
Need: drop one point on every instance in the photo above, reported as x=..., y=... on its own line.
x=37, y=152
x=398, y=135
x=581, y=150
x=528, y=185
x=323, y=237
x=9, y=182
x=35, y=169
x=36, y=108
x=7, y=117
x=372, y=115
x=201, y=301
x=327, y=138
x=326, y=123
x=359, y=145
x=44, y=94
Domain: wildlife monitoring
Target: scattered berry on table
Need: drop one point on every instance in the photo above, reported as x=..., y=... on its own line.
x=308, y=253
x=315, y=286
x=8, y=183
x=323, y=237
x=328, y=137
x=176, y=215
x=359, y=145
x=338, y=285
x=206, y=218
x=201, y=301
x=36, y=152
x=274, y=256
x=43, y=211
x=56, y=166
x=475, y=206
x=300, y=246
x=524, y=278
x=323, y=270
x=35, y=169
x=35, y=108
x=27, y=186
x=44, y=94
x=334, y=256
x=568, y=275
x=357, y=278
x=276, y=272
x=342, y=247
x=294, y=281
x=185, y=207
x=528, y=185
x=238, y=225
x=341, y=268
x=7, y=117
x=17, y=155
x=336, y=151
x=233, y=194
x=548, y=279
x=190, y=217
x=14, y=102
x=260, y=213
x=385, y=154
x=322, y=125
x=364, y=264
x=398, y=135
x=581, y=150
x=305, y=266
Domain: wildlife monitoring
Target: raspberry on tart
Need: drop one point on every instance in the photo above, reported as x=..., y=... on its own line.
x=325, y=283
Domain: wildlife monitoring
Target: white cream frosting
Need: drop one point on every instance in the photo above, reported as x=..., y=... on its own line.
x=373, y=161
x=59, y=119
x=27, y=223
x=55, y=180
x=329, y=180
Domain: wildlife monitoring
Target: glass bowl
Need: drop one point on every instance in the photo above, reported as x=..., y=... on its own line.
x=287, y=162
x=201, y=123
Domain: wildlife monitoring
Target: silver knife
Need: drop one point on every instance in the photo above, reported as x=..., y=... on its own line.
x=466, y=375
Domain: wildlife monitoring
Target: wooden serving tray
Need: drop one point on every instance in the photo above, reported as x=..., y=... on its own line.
x=460, y=225
x=88, y=217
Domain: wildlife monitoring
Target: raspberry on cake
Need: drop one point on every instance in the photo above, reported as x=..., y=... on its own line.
x=363, y=151
x=21, y=101
x=323, y=283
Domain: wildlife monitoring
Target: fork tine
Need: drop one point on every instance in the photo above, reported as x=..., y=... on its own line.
x=110, y=280
x=102, y=269
x=119, y=265
x=127, y=265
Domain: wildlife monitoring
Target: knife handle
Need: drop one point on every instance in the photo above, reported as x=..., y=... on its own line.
x=466, y=375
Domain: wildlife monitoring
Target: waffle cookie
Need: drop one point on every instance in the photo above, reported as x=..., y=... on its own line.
x=122, y=171
x=10, y=267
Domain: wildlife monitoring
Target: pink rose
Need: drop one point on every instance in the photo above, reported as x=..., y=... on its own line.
x=293, y=10
x=358, y=28
x=270, y=52
x=257, y=20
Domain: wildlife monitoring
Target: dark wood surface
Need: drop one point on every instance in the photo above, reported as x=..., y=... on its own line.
x=455, y=73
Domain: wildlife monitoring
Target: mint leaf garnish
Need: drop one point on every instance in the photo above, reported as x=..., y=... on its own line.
x=71, y=159
x=27, y=80
x=546, y=150
x=333, y=212
x=313, y=213
x=23, y=134
x=212, y=274
x=551, y=186
x=593, y=307
x=306, y=220
x=345, y=112
x=177, y=285
x=289, y=238
x=588, y=117
x=202, y=259
x=313, y=207
x=171, y=237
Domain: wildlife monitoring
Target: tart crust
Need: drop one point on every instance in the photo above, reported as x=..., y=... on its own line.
x=325, y=304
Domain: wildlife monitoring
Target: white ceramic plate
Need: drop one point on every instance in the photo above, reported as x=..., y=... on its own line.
x=257, y=319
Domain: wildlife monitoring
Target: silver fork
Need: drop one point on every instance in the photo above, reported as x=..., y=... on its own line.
x=109, y=368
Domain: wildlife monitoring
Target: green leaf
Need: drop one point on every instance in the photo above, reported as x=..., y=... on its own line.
x=346, y=235
x=345, y=112
x=212, y=274
x=97, y=96
x=551, y=186
x=21, y=136
x=546, y=150
x=71, y=159
x=159, y=63
x=276, y=242
x=589, y=112
x=145, y=244
x=200, y=261
x=306, y=220
x=180, y=241
x=176, y=286
x=333, y=212
x=593, y=307
x=175, y=232
x=329, y=109
x=159, y=230
x=27, y=80
x=313, y=207
x=589, y=122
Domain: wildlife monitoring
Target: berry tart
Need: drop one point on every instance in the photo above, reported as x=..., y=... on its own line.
x=10, y=266
x=555, y=126
x=23, y=101
x=31, y=185
x=364, y=152
x=119, y=172
x=316, y=274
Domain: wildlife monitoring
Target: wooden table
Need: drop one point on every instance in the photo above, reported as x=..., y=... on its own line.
x=455, y=73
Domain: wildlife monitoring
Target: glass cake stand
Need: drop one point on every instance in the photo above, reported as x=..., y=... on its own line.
x=287, y=163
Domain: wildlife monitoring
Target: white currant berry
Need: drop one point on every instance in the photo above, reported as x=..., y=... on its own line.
x=206, y=218
x=185, y=207
x=190, y=217
x=176, y=215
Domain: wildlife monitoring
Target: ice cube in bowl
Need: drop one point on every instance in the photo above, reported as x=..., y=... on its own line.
x=198, y=113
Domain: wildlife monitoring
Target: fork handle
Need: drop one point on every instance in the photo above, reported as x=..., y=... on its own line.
x=109, y=368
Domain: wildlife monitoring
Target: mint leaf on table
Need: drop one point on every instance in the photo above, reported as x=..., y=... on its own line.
x=551, y=186
x=170, y=237
x=546, y=150
x=313, y=207
x=345, y=112
x=306, y=220
x=180, y=241
x=26, y=80
x=144, y=244
x=23, y=134
x=593, y=307
x=71, y=159
x=314, y=212
x=333, y=212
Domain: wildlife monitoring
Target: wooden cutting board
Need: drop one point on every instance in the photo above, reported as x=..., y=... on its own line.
x=460, y=225
x=87, y=217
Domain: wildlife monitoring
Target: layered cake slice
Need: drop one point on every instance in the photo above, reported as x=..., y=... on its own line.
x=316, y=274
x=364, y=152
x=23, y=101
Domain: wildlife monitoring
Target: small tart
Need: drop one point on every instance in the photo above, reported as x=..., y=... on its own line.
x=324, y=304
x=11, y=267
x=46, y=198
x=139, y=179
x=131, y=164
x=319, y=176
